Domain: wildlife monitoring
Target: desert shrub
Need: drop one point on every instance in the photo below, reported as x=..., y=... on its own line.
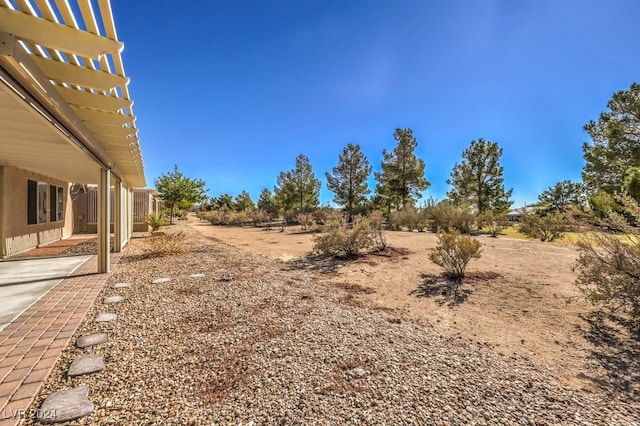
x=608, y=265
x=494, y=223
x=446, y=215
x=218, y=217
x=340, y=240
x=454, y=252
x=260, y=217
x=162, y=244
x=377, y=221
x=409, y=218
x=546, y=228
x=239, y=218
x=156, y=221
x=323, y=214
x=305, y=220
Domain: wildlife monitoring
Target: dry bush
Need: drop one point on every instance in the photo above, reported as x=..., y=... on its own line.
x=218, y=217
x=161, y=244
x=377, y=221
x=546, y=228
x=340, y=240
x=454, y=252
x=305, y=220
x=609, y=265
x=261, y=217
x=239, y=218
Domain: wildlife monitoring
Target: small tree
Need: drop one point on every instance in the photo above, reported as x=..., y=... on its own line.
x=454, y=252
x=609, y=266
x=176, y=189
x=243, y=202
x=563, y=195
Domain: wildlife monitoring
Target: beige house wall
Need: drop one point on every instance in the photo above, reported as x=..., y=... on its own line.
x=16, y=235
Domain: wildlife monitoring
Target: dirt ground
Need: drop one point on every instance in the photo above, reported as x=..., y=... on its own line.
x=519, y=299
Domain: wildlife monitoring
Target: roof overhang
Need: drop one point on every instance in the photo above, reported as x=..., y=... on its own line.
x=65, y=109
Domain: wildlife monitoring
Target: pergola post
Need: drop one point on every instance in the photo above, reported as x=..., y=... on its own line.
x=104, y=221
x=118, y=219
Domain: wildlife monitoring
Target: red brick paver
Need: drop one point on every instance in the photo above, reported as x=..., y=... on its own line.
x=33, y=342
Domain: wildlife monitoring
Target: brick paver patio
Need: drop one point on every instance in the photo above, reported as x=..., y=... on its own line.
x=33, y=342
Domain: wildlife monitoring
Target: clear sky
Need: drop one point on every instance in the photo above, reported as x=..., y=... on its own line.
x=233, y=90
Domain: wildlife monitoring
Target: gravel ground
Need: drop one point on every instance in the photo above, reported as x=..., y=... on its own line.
x=256, y=341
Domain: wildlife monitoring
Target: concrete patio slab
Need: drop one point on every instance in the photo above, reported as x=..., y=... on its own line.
x=22, y=282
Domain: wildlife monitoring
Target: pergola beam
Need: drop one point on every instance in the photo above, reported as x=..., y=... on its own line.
x=64, y=72
x=54, y=35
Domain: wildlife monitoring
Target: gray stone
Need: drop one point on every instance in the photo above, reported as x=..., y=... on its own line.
x=197, y=275
x=105, y=317
x=86, y=365
x=91, y=339
x=160, y=280
x=64, y=406
x=122, y=285
x=113, y=299
x=359, y=372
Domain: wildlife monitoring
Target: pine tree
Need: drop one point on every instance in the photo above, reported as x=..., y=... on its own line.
x=298, y=188
x=478, y=180
x=349, y=179
x=402, y=178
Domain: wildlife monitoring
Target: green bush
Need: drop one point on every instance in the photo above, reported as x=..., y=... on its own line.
x=446, y=215
x=409, y=218
x=493, y=223
x=340, y=240
x=454, y=252
x=546, y=228
x=156, y=221
x=608, y=265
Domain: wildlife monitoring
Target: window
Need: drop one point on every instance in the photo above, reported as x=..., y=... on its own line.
x=37, y=205
x=32, y=202
x=56, y=204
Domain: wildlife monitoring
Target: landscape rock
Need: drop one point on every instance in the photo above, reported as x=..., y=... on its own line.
x=112, y=299
x=105, y=317
x=91, y=339
x=86, y=364
x=64, y=406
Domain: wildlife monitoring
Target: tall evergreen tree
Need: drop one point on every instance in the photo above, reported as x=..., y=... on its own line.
x=478, y=180
x=266, y=202
x=348, y=180
x=402, y=178
x=613, y=156
x=298, y=188
x=176, y=189
x=562, y=195
x=243, y=202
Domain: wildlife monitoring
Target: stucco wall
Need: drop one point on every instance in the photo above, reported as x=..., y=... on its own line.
x=15, y=234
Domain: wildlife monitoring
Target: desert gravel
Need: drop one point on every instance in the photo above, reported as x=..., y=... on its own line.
x=258, y=341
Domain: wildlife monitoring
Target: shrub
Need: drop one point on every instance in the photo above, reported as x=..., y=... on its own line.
x=547, y=228
x=409, y=218
x=261, y=217
x=164, y=244
x=493, y=223
x=218, y=217
x=156, y=221
x=454, y=252
x=239, y=218
x=445, y=215
x=305, y=220
x=608, y=265
x=340, y=240
x=376, y=220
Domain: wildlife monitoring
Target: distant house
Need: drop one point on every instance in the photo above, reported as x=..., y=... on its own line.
x=514, y=215
x=65, y=116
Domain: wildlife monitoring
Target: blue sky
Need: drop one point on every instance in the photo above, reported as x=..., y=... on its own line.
x=232, y=91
